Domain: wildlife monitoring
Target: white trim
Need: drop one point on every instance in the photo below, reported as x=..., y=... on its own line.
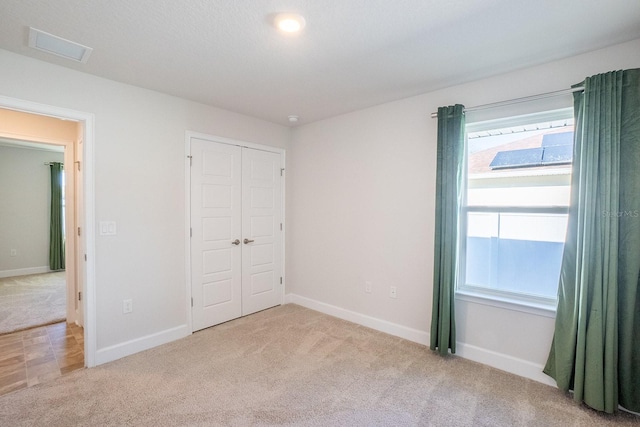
x=520, y=120
x=187, y=227
x=522, y=173
x=283, y=218
x=187, y=180
x=230, y=141
x=89, y=291
x=50, y=147
x=538, y=309
x=88, y=190
x=24, y=271
x=504, y=362
x=622, y=408
x=137, y=345
x=405, y=332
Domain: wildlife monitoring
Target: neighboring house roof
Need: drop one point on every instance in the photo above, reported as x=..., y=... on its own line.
x=542, y=151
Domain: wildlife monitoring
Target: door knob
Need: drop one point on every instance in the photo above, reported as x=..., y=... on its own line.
x=236, y=242
x=247, y=241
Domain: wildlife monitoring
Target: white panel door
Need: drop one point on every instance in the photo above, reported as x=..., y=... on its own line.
x=236, y=225
x=216, y=203
x=261, y=234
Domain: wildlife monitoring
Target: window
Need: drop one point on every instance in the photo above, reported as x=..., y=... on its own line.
x=514, y=213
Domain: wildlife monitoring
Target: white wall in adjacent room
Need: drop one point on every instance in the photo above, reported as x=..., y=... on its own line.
x=24, y=209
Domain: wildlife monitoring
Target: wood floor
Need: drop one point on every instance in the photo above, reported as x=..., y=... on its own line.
x=39, y=355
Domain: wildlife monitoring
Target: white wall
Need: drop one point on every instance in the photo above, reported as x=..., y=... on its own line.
x=139, y=183
x=24, y=211
x=362, y=208
x=359, y=202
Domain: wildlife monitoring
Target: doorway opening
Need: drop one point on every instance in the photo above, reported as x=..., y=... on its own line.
x=25, y=121
x=33, y=283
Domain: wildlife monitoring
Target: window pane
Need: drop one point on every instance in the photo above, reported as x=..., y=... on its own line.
x=515, y=252
x=518, y=189
x=534, y=227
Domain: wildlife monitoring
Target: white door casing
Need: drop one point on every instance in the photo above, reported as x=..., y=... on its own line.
x=235, y=259
x=80, y=250
x=86, y=121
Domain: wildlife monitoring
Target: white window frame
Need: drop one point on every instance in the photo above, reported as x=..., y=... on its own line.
x=533, y=304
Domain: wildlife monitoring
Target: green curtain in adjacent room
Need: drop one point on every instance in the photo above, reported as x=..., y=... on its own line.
x=450, y=172
x=56, y=229
x=596, y=346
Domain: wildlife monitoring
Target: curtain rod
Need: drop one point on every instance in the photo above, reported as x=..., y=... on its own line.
x=50, y=163
x=519, y=100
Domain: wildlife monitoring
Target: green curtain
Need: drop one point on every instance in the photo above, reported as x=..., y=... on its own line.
x=450, y=172
x=56, y=228
x=595, y=349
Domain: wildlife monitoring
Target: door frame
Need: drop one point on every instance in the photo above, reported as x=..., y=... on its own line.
x=187, y=227
x=86, y=122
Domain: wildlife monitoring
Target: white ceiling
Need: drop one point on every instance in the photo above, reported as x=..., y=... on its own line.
x=352, y=54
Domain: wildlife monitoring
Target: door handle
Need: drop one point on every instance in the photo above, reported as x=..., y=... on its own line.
x=236, y=242
x=247, y=241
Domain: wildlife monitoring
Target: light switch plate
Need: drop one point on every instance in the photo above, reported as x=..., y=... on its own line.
x=108, y=228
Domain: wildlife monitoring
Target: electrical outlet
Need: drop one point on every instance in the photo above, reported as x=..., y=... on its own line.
x=14, y=252
x=127, y=306
x=368, y=287
x=393, y=292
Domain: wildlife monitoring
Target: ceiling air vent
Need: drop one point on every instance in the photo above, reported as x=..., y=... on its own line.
x=58, y=46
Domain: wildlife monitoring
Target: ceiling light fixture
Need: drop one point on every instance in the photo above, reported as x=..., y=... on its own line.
x=293, y=119
x=55, y=45
x=289, y=22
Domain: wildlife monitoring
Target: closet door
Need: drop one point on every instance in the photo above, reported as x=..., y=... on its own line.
x=261, y=230
x=216, y=277
x=236, y=232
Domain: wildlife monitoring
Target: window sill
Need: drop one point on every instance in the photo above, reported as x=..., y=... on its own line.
x=538, y=309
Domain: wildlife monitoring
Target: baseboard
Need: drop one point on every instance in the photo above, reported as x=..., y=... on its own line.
x=504, y=362
x=390, y=328
x=24, y=271
x=114, y=352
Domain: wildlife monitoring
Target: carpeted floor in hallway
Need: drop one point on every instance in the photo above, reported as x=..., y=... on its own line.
x=32, y=300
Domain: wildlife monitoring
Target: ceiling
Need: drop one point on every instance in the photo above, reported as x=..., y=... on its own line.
x=9, y=142
x=352, y=54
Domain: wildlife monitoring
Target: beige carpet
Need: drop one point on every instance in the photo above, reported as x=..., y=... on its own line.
x=293, y=366
x=33, y=300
